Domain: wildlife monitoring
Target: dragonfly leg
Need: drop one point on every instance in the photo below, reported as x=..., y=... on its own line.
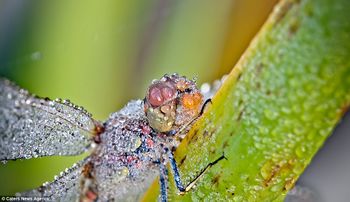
x=180, y=186
x=204, y=106
x=163, y=181
x=176, y=173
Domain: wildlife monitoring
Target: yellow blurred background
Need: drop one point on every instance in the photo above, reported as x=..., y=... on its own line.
x=100, y=54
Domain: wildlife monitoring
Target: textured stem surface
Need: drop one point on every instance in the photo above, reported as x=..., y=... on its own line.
x=276, y=108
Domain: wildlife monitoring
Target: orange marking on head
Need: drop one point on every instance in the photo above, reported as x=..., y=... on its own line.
x=192, y=101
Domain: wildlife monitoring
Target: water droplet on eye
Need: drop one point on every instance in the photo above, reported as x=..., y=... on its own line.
x=155, y=97
x=165, y=109
x=168, y=93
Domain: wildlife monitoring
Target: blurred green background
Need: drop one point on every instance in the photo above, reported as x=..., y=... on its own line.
x=100, y=54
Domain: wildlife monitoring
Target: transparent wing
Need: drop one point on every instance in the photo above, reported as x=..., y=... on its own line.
x=32, y=127
x=65, y=187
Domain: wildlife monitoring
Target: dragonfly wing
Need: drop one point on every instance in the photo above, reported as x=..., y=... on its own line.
x=65, y=187
x=32, y=127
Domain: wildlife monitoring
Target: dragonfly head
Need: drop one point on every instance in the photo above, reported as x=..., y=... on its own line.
x=171, y=102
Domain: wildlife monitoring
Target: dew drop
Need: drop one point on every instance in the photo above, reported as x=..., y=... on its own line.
x=17, y=103
x=244, y=177
x=286, y=110
x=263, y=130
x=317, y=124
x=205, y=88
x=298, y=168
x=324, y=132
x=299, y=130
x=258, y=145
x=289, y=184
x=36, y=56
x=232, y=189
x=256, y=138
x=311, y=135
x=276, y=188
x=299, y=151
x=265, y=170
x=271, y=115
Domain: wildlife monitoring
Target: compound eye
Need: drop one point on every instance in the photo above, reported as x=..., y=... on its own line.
x=168, y=93
x=155, y=96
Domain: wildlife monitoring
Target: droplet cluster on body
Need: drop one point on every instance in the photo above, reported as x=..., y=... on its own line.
x=135, y=137
x=127, y=148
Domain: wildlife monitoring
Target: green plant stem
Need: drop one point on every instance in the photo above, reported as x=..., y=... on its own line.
x=276, y=108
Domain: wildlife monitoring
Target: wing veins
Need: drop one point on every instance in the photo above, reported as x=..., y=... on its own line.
x=71, y=123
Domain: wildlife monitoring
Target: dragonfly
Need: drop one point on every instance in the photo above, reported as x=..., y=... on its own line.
x=128, y=150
